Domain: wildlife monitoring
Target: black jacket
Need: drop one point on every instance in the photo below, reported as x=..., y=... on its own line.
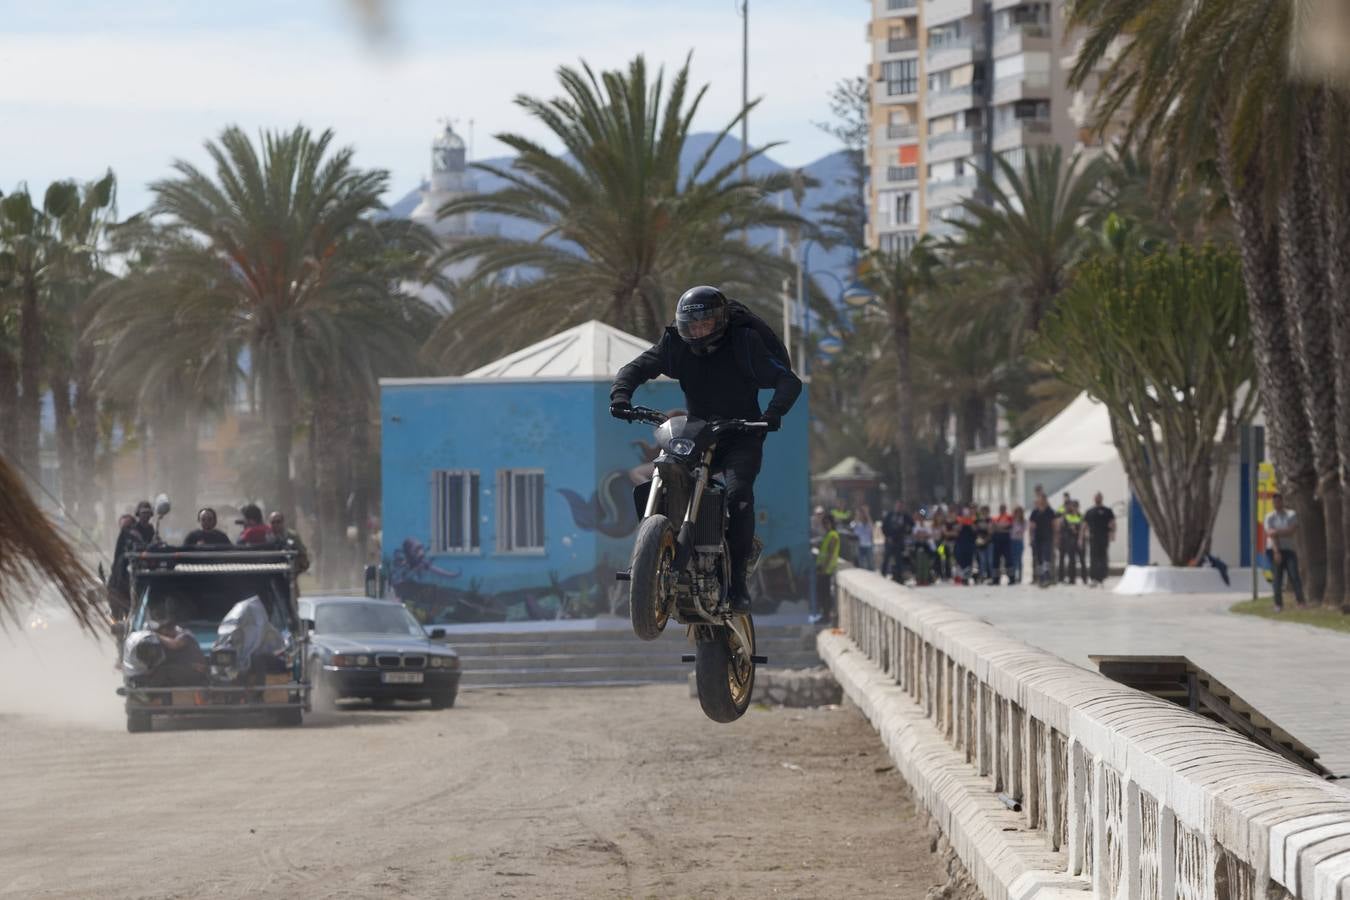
x=718, y=385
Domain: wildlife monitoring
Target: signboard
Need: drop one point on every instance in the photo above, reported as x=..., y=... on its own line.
x=1265, y=504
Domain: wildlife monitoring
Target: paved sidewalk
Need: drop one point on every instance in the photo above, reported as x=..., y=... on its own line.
x=1297, y=675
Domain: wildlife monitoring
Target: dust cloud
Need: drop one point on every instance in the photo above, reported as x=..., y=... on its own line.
x=52, y=669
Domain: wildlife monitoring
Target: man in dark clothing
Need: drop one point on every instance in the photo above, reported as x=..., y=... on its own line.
x=207, y=535
x=1043, y=539
x=897, y=525
x=1100, y=525
x=721, y=367
x=135, y=535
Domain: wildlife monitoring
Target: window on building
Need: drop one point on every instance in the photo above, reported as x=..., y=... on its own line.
x=901, y=76
x=899, y=242
x=1031, y=109
x=520, y=510
x=454, y=511
x=904, y=208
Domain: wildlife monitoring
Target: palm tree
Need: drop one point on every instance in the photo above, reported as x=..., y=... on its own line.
x=1033, y=226
x=30, y=248
x=623, y=229
x=1273, y=140
x=271, y=256
x=897, y=280
x=33, y=554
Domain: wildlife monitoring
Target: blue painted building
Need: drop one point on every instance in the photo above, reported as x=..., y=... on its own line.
x=508, y=491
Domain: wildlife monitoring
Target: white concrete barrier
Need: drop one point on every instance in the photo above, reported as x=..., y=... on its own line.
x=1122, y=795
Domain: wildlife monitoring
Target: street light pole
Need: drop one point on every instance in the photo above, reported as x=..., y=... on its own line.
x=745, y=87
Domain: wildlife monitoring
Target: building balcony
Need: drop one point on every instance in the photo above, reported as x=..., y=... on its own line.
x=1022, y=39
x=898, y=91
x=900, y=45
x=1022, y=133
x=900, y=8
x=954, y=144
x=1026, y=86
x=901, y=132
x=949, y=53
x=949, y=191
x=942, y=103
x=939, y=12
x=902, y=174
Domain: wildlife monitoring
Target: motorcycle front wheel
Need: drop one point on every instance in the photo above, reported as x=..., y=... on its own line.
x=725, y=671
x=653, y=558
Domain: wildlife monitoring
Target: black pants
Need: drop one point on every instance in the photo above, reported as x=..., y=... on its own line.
x=1070, y=562
x=739, y=458
x=1097, y=558
x=893, y=560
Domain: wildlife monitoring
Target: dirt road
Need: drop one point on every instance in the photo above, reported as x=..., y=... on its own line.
x=610, y=792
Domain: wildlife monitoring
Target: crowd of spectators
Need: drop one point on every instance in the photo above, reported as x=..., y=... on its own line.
x=973, y=544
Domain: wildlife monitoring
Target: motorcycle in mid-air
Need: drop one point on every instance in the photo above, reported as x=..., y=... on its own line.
x=681, y=567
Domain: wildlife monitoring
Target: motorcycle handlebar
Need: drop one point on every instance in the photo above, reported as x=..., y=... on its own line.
x=655, y=417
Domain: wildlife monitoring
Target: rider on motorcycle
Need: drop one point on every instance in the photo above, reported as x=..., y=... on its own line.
x=721, y=362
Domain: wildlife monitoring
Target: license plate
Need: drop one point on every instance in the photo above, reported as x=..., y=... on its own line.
x=401, y=677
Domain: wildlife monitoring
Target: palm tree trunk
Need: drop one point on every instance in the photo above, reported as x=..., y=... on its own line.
x=1334, y=176
x=901, y=335
x=281, y=415
x=1276, y=366
x=361, y=481
x=329, y=488
x=86, y=429
x=29, y=419
x=65, y=441
x=1304, y=281
x=9, y=403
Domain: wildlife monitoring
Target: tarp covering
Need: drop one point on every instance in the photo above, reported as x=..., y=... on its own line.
x=246, y=630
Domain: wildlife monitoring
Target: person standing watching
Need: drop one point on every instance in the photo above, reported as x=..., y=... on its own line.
x=1002, y=544
x=1280, y=527
x=289, y=539
x=1043, y=523
x=896, y=526
x=1099, y=525
x=862, y=530
x=827, y=563
x=255, y=532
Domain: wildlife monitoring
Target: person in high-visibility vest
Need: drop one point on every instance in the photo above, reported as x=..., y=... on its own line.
x=827, y=563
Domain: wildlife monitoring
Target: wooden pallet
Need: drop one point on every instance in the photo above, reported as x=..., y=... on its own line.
x=1177, y=679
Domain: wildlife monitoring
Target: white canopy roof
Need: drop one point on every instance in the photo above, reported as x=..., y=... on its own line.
x=1079, y=436
x=589, y=350
x=849, y=468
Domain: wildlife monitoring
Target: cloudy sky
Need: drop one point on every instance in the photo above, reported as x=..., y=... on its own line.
x=134, y=84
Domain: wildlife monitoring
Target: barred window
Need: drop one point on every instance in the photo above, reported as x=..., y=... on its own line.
x=520, y=511
x=454, y=511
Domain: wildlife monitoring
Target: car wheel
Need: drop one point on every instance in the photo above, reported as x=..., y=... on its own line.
x=138, y=722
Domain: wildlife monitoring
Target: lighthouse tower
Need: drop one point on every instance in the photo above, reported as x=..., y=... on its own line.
x=450, y=179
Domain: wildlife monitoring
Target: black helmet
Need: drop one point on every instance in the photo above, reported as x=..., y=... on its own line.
x=701, y=317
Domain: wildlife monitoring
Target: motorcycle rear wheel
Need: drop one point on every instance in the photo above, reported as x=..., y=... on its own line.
x=725, y=676
x=653, y=557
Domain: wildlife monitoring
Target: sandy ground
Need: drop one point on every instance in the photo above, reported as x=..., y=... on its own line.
x=606, y=792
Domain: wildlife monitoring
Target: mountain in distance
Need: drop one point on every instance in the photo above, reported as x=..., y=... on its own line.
x=830, y=171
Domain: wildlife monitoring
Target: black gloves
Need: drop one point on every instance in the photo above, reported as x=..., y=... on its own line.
x=619, y=407
x=773, y=420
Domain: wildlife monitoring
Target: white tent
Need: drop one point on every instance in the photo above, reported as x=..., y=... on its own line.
x=589, y=350
x=1067, y=447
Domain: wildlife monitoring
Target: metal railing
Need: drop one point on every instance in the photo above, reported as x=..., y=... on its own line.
x=964, y=42
x=892, y=5
x=900, y=132
x=902, y=88
x=902, y=173
x=1144, y=798
x=959, y=181
x=901, y=45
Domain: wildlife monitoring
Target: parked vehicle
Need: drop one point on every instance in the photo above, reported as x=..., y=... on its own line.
x=212, y=633
x=375, y=649
x=681, y=567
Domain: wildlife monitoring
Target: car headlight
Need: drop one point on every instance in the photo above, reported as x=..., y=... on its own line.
x=350, y=659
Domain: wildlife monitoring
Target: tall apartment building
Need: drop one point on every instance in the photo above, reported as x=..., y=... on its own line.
x=956, y=83
x=895, y=154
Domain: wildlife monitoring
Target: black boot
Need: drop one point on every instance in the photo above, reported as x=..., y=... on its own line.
x=739, y=593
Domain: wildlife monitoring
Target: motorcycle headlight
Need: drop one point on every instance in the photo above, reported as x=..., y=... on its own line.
x=223, y=658
x=681, y=446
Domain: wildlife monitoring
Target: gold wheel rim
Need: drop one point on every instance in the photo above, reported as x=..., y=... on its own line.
x=667, y=558
x=740, y=668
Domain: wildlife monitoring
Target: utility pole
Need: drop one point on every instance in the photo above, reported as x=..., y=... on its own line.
x=745, y=86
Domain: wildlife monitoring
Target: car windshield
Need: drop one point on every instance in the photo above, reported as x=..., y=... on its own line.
x=203, y=600
x=365, y=618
